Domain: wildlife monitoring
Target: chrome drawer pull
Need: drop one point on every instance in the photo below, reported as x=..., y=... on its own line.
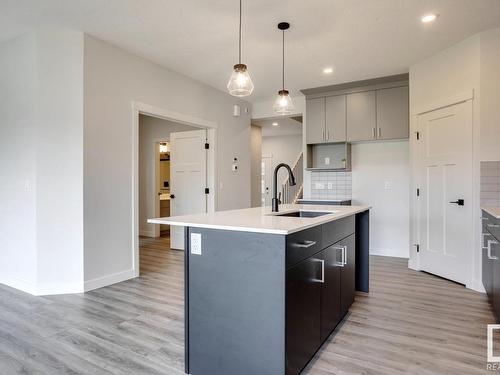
x=305, y=244
x=344, y=257
x=483, y=244
x=489, y=249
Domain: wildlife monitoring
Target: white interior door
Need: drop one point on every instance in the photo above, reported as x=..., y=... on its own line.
x=188, y=170
x=446, y=165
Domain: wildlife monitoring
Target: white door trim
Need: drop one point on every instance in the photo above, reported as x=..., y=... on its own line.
x=165, y=114
x=444, y=102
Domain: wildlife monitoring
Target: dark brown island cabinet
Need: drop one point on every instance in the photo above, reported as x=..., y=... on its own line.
x=491, y=260
x=262, y=303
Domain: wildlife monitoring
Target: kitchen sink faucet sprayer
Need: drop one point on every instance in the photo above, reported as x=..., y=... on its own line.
x=291, y=178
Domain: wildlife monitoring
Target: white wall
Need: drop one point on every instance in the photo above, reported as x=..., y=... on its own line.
x=151, y=130
x=380, y=179
x=42, y=162
x=113, y=80
x=256, y=165
x=17, y=163
x=469, y=65
x=283, y=149
x=490, y=94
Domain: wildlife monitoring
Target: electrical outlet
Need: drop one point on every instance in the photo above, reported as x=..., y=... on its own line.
x=330, y=186
x=319, y=186
x=327, y=161
x=195, y=243
x=388, y=185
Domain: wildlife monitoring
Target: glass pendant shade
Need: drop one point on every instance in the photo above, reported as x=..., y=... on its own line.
x=283, y=104
x=240, y=83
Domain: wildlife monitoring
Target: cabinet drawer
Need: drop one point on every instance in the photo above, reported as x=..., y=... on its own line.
x=334, y=231
x=302, y=245
x=491, y=224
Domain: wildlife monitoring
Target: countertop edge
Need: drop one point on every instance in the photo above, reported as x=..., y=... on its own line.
x=323, y=220
x=493, y=211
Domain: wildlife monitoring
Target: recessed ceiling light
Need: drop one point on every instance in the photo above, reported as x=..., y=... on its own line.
x=275, y=124
x=328, y=70
x=429, y=18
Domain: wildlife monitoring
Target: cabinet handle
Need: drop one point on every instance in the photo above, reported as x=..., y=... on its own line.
x=344, y=255
x=374, y=134
x=328, y=135
x=493, y=225
x=323, y=135
x=489, y=249
x=322, y=271
x=305, y=244
x=483, y=245
x=379, y=132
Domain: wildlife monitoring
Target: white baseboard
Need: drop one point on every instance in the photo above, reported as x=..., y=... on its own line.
x=388, y=253
x=19, y=284
x=114, y=278
x=147, y=233
x=65, y=288
x=477, y=285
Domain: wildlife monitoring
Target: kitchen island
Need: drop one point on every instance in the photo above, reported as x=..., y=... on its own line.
x=264, y=290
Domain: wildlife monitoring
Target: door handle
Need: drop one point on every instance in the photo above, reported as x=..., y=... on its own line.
x=305, y=244
x=489, y=249
x=460, y=202
x=172, y=196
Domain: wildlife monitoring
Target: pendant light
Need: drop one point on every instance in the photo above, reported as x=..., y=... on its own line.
x=240, y=83
x=283, y=104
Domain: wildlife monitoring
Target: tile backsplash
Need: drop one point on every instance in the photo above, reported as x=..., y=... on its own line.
x=331, y=185
x=490, y=183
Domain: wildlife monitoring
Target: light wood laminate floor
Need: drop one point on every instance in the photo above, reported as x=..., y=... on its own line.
x=410, y=323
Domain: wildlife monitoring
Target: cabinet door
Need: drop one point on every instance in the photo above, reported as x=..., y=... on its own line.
x=330, y=291
x=495, y=252
x=335, y=108
x=315, y=120
x=348, y=275
x=361, y=118
x=392, y=113
x=487, y=267
x=302, y=315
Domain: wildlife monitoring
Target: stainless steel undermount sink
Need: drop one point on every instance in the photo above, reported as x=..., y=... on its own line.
x=302, y=213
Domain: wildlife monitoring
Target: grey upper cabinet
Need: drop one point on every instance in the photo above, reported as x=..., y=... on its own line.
x=361, y=116
x=335, y=107
x=392, y=113
x=315, y=120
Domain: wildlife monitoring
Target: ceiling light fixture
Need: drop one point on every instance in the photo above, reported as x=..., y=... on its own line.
x=275, y=124
x=429, y=18
x=240, y=84
x=283, y=104
x=328, y=70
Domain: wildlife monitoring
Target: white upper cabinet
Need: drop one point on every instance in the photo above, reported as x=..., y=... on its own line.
x=315, y=121
x=335, y=107
x=392, y=113
x=361, y=116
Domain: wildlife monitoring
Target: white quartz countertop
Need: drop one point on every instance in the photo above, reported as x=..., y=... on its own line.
x=493, y=211
x=261, y=219
x=323, y=200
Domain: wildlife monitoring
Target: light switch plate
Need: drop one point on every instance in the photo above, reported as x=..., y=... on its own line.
x=327, y=161
x=330, y=186
x=196, y=243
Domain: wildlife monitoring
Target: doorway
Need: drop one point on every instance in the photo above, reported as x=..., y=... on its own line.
x=281, y=142
x=166, y=173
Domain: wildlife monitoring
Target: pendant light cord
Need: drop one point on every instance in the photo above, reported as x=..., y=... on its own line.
x=239, y=44
x=283, y=66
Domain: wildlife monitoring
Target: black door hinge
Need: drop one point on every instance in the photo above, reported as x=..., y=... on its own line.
x=207, y=191
x=418, y=247
x=418, y=135
x=418, y=192
x=207, y=146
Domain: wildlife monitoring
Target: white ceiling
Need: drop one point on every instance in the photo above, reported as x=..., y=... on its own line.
x=286, y=126
x=360, y=39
